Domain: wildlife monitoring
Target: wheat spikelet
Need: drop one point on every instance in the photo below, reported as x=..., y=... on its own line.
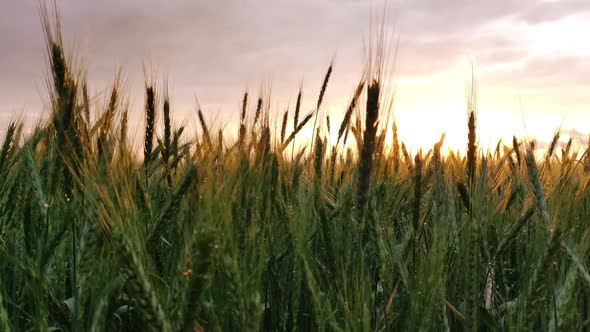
x=264, y=145
x=417, y=202
x=150, y=119
x=395, y=148
x=142, y=290
x=536, y=291
x=101, y=307
x=516, y=149
x=535, y=182
x=324, y=86
x=407, y=157
x=104, y=149
x=202, y=252
x=8, y=144
x=368, y=147
x=351, y=107
x=319, y=156
x=473, y=260
x=297, y=110
x=345, y=139
x=297, y=130
x=258, y=111
x=172, y=206
x=242, y=130
x=167, y=129
x=514, y=230
x=204, y=128
x=244, y=107
x=565, y=316
x=565, y=152
x=471, y=149
x=63, y=94
x=4, y=321
x=436, y=154
x=90, y=245
x=284, y=126
x=320, y=99
x=464, y=195
x=552, y=146
x=123, y=132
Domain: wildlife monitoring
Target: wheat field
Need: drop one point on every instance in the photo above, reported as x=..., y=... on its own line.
x=268, y=230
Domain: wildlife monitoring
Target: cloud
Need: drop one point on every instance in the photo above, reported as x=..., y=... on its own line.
x=537, y=72
x=546, y=11
x=218, y=48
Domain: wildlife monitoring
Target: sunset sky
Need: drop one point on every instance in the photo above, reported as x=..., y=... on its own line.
x=531, y=58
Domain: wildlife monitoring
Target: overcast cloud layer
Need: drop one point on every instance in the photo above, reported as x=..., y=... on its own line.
x=531, y=57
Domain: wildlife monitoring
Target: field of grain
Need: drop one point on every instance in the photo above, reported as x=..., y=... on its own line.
x=268, y=230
